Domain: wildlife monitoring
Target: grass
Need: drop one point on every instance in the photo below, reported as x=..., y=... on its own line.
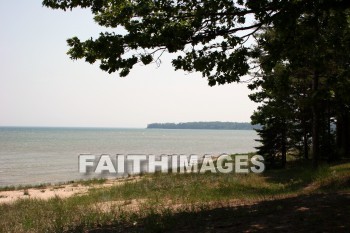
x=156, y=202
x=26, y=192
x=90, y=182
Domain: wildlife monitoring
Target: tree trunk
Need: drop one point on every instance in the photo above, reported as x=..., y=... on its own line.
x=346, y=135
x=343, y=135
x=284, y=146
x=306, y=145
x=315, y=121
x=329, y=150
x=315, y=84
x=305, y=139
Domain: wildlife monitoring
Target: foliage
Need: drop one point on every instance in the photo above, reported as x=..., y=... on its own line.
x=162, y=195
x=304, y=96
x=298, y=51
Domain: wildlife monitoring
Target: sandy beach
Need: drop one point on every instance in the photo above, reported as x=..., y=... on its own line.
x=60, y=190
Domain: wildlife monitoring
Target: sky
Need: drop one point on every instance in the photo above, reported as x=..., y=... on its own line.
x=41, y=86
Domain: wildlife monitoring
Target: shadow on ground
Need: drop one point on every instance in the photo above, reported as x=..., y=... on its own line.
x=309, y=213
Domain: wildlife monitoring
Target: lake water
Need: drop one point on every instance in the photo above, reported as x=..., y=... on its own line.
x=50, y=155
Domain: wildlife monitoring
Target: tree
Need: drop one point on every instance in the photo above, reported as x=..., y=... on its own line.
x=208, y=36
x=276, y=114
x=204, y=31
x=315, y=66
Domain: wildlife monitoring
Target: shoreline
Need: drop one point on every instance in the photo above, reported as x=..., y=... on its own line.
x=68, y=189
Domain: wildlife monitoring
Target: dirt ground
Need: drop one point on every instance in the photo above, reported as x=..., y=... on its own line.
x=308, y=213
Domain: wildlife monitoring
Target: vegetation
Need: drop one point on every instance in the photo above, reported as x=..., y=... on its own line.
x=165, y=202
x=302, y=81
x=203, y=125
x=296, y=53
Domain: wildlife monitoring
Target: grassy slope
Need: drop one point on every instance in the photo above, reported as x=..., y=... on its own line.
x=191, y=202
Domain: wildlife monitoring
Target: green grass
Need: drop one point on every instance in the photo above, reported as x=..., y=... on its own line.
x=90, y=182
x=161, y=195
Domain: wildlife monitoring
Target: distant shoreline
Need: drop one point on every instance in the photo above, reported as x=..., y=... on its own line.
x=212, y=125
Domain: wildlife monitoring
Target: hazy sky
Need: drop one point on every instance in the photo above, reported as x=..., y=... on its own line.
x=41, y=86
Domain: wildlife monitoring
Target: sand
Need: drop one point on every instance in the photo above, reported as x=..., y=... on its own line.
x=61, y=191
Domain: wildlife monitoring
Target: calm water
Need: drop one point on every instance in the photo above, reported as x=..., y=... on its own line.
x=50, y=155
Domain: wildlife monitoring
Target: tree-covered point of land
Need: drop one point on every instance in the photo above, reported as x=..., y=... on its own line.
x=203, y=125
x=295, y=51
